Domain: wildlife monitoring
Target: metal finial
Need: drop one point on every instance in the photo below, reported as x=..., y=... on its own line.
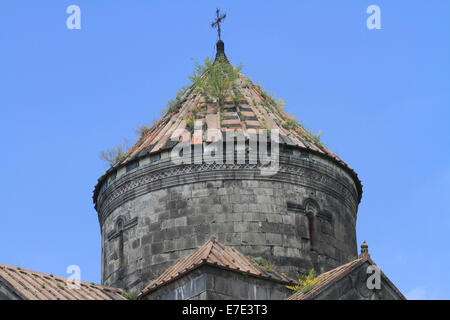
x=364, y=250
x=218, y=21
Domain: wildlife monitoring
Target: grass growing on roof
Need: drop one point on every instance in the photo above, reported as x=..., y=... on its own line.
x=115, y=154
x=307, y=281
x=130, y=295
x=266, y=265
x=214, y=78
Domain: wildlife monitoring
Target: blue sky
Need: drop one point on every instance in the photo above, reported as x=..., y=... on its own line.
x=380, y=97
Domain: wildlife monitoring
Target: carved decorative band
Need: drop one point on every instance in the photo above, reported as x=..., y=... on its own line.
x=146, y=179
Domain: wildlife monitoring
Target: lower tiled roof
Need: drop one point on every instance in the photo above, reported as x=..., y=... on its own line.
x=32, y=285
x=325, y=280
x=214, y=253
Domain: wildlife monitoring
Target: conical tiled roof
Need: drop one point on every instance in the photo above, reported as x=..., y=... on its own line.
x=247, y=107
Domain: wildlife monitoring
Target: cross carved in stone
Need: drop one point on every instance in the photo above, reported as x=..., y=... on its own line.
x=310, y=209
x=121, y=226
x=218, y=21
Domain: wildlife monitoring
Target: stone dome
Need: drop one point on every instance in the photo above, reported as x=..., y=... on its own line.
x=153, y=212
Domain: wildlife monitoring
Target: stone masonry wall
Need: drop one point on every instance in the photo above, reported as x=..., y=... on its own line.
x=210, y=283
x=354, y=287
x=302, y=217
x=6, y=293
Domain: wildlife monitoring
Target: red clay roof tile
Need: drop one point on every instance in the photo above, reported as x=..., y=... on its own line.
x=263, y=109
x=325, y=280
x=216, y=254
x=32, y=285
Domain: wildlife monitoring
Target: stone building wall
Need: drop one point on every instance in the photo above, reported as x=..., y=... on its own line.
x=209, y=283
x=6, y=293
x=354, y=287
x=154, y=213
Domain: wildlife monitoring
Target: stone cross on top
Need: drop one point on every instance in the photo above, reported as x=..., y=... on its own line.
x=218, y=21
